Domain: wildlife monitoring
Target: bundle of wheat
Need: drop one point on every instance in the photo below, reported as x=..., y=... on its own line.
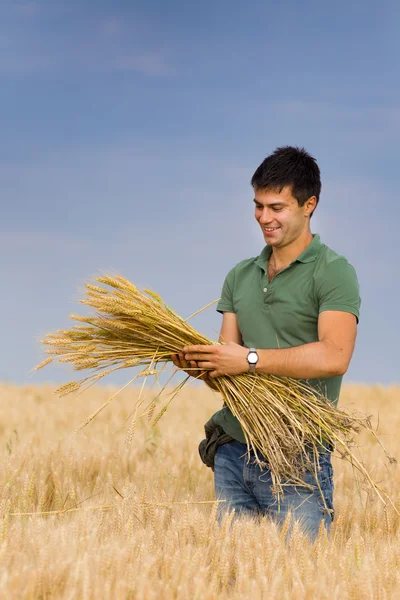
x=285, y=421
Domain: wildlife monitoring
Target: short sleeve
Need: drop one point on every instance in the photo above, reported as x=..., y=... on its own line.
x=338, y=288
x=226, y=302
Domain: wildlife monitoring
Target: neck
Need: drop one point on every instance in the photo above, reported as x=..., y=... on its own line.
x=287, y=254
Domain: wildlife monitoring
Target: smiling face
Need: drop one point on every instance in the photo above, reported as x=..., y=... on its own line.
x=281, y=218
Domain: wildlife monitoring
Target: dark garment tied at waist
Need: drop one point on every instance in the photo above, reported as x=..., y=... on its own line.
x=215, y=436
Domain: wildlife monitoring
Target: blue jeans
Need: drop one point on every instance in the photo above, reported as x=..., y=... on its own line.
x=247, y=489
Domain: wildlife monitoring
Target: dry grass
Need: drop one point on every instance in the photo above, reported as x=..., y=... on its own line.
x=140, y=550
x=283, y=420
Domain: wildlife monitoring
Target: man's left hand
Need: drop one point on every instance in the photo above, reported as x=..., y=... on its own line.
x=225, y=359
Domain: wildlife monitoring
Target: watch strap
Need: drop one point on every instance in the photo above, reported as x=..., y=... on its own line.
x=252, y=366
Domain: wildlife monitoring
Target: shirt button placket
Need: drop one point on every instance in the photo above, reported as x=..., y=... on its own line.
x=265, y=291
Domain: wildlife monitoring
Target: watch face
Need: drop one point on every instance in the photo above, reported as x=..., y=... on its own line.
x=252, y=358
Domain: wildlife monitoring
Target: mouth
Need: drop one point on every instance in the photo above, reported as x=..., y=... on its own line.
x=270, y=230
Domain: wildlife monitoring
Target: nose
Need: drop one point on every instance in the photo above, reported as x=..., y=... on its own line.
x=266, y=217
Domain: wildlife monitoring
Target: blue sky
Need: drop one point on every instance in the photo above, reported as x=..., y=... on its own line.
x=130, y=131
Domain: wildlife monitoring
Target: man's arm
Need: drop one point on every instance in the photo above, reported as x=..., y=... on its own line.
x=230, y=331
x=327, y=357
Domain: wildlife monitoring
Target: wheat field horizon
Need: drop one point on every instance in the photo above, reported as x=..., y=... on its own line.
x=138, y=520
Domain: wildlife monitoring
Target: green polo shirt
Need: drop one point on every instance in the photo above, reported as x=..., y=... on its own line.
x=284, y=313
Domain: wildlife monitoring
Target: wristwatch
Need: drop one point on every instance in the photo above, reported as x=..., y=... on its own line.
x=252, y=359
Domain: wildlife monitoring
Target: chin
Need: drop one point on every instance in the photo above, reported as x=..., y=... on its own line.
x=271, y=242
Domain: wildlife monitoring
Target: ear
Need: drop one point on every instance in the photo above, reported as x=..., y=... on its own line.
x=309, y=206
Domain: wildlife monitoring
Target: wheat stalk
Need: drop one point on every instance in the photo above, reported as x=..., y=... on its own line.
x=284, y=421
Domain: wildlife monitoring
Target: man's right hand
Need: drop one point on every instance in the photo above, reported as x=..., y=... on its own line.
x=191, y=368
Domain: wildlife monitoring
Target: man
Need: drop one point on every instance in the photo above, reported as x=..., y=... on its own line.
x=297, y=305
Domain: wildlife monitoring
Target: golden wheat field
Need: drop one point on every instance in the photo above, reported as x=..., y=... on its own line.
x=143, y=526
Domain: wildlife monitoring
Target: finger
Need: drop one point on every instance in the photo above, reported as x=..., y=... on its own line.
x=213, y=374
x=199, y=356
x=187, y=365
x=175, y=360
x=207, y=366
x=202, y=349
x=183, y=362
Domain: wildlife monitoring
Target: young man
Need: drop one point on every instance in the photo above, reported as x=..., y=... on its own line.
x=292, y=311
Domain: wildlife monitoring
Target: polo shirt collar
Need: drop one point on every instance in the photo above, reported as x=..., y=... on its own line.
x=308, y=255
x=312, y=250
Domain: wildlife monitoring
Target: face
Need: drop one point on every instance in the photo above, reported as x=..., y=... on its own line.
x=281, y=219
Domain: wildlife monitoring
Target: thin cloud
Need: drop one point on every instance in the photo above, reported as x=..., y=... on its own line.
x=27, y=46
x=26, y=9
x=344, y=111
x=12, y=241
x=19, y=9
x=152, y=64
x=371, y=124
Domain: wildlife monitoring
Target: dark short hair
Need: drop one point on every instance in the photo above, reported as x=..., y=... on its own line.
x=289, y=166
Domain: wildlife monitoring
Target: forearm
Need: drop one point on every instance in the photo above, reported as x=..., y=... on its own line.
x=308, y=361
